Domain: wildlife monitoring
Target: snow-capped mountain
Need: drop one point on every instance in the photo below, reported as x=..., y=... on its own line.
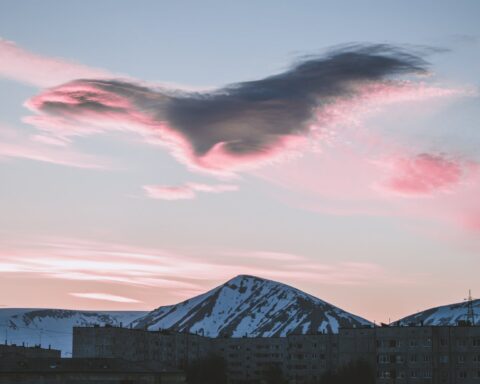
x=54, y=326
x=250, y=306
x=444, y=315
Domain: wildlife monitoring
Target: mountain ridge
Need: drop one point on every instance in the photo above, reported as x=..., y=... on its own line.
x=449, y=314
x=245, y=305
x=248, y=305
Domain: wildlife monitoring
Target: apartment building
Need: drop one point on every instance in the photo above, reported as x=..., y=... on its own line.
x=7, y=351
x=437, y=355
x=398, y=354
x=168, y=349
x=83, y=371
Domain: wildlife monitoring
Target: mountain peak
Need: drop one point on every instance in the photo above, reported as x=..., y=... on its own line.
x=250, y=306
x=239, y=279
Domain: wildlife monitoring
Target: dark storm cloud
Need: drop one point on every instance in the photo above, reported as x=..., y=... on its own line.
x=246, y=118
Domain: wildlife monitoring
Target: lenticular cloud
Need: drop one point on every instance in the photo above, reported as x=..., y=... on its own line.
x=237, y=126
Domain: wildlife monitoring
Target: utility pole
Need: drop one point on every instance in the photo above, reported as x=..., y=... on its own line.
x=470, y=310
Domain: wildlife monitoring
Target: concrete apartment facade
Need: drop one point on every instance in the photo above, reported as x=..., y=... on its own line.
x=398, y=354
x=7, y=351
x=83, y=371
x=169, y=350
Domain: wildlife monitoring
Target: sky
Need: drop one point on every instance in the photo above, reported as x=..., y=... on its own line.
x=152, y=150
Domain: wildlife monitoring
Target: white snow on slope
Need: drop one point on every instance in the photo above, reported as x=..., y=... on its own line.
x=53, y=327
x=251, y=306
x=445, y=315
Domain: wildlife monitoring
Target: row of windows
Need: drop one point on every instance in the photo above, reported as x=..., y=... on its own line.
x=399, y=343
x=401, y=374
x=386, y=359
x=427, y=342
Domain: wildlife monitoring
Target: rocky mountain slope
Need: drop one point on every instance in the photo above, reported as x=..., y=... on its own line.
x=250, y=306
x=443, y=315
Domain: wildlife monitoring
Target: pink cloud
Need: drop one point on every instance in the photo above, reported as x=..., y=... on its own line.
x=472, y=221
x=381, y=179
x=126, y=271
x=233, y=129
x=424, y=175
x=116, y=112
x=185, y=192
x=21, y=65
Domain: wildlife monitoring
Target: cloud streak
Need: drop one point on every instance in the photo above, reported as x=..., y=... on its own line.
x=185, y=192
x=240, y=125
x=104, y=297
x=21, y=65
x=167, y=275
x=17, y=145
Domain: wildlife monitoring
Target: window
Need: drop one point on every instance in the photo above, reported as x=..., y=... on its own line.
x=383, y=359
x=443, y=359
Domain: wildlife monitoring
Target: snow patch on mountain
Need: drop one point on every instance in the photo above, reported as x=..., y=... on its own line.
x=444, y=315
x=251, y=306
x=53, y=327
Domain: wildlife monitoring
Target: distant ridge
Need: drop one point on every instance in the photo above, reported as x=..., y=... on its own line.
x=444, y=315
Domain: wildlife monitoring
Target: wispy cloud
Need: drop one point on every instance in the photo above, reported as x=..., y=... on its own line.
x=424, y=175
x=366, y=173
x=104, y=297
x=187, y=191
x=241, y=125
x=123, y=270
x=42, y=71
x=15, y=143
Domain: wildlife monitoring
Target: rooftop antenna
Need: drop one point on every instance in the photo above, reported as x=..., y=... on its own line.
x=470, y=311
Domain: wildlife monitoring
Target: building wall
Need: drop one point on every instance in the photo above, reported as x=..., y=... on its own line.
x=437, y=355
x=311, y=356
x=249, y=359
x=78, y=378
x=403, y=355
x=167, y=350
x=28, y=352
